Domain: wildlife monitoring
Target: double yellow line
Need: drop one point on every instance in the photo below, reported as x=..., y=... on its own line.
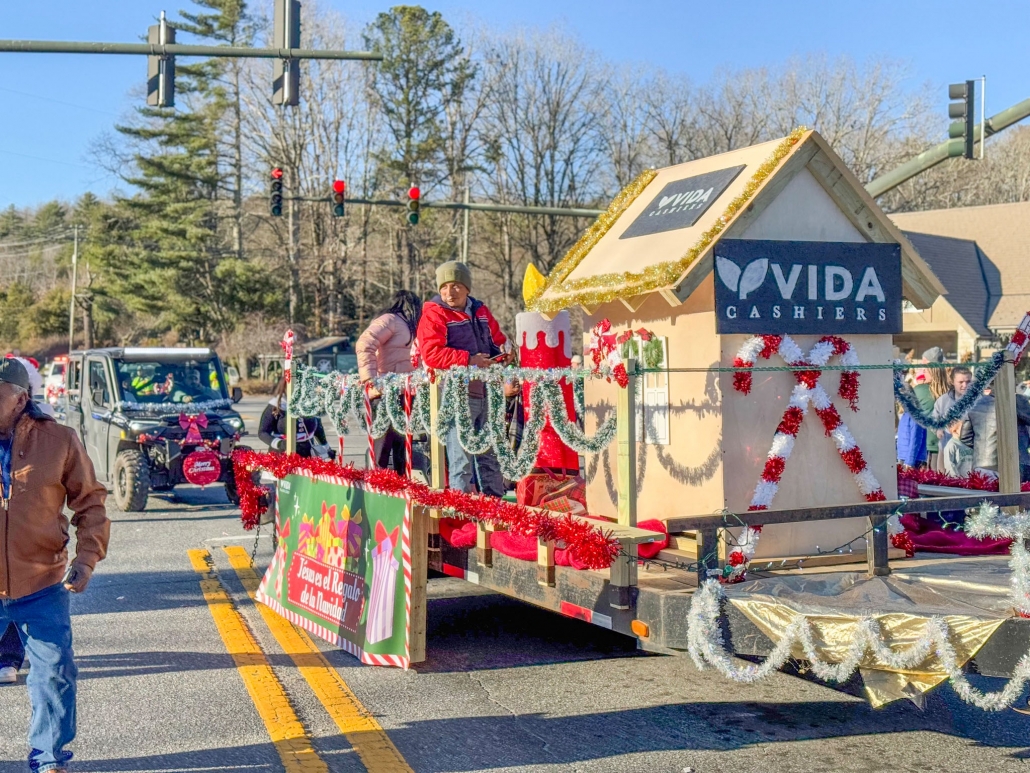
x=293, y=743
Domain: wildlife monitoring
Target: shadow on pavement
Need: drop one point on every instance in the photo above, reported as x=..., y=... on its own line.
x=111, y=592
x=500, y=741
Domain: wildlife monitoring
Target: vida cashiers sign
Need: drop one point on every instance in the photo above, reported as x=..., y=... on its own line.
x=807, y=287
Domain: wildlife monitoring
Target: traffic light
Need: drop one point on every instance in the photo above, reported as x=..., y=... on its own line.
x=960, y=132
x=339, y=188
x=161, y=69
x=286, y=34
x=275, y=202
x=414, y=204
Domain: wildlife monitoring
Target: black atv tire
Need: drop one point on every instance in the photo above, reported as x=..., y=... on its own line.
x=230, y=491
x=131, y=477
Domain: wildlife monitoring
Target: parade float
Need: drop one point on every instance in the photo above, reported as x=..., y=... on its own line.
x=735, y=414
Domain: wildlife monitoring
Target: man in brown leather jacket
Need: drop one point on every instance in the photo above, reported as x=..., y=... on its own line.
x=43, y=466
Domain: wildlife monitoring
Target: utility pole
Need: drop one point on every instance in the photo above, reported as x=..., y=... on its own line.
x=71, y=309
x=465, y=229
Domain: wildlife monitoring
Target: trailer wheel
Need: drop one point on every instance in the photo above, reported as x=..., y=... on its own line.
x=131, y=481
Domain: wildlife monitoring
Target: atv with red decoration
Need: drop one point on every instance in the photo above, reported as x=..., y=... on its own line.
x=153, y=418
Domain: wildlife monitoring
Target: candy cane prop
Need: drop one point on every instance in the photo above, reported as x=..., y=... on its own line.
x=368, y=426
x=287, y=347
x=807, y=391
x=407, y=425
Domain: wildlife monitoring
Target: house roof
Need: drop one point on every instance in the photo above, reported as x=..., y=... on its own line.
x=624, y=256
x=319, y=344
x=958, y=263
x=1002, y=233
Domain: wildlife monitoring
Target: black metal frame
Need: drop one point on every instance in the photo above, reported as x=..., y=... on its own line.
x=709, y=526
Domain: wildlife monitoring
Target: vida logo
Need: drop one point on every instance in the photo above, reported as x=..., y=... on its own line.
x=838, y=282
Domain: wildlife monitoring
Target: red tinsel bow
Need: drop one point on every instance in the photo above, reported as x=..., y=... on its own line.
x=193, y=425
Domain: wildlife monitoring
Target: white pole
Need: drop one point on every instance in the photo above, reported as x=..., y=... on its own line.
x=465, y=240
x=71, y=306
x=983, y=114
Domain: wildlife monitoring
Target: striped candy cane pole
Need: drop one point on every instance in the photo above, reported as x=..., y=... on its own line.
x=407, y=425
x=368, y=426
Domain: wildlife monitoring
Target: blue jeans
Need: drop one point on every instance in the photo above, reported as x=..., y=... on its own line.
x=44, y=620
x=459, y=463
x=12, y=651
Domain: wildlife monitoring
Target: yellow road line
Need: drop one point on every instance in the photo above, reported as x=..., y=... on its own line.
x=357, y=724
x=288, y=735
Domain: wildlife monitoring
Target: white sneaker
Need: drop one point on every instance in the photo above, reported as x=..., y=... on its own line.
x=8, y=675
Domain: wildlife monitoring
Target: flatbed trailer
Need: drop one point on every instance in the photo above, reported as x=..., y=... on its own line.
x=653, y=608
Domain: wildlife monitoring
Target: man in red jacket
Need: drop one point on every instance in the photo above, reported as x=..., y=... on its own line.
x=457, y=329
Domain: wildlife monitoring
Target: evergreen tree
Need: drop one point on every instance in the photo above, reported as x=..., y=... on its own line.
x=186, y=193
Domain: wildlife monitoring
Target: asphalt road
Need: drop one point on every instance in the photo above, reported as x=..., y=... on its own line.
x=505, y=687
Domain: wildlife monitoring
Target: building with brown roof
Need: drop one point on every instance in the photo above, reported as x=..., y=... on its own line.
x=982, y=256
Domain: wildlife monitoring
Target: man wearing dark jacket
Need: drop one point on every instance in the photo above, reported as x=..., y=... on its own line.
x=457, y=329
x=43, y=466
x=980, y=432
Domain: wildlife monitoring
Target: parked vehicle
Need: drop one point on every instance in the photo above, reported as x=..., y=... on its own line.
x=53, y=378
x=153, y=418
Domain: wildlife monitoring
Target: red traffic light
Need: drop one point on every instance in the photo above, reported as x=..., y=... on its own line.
x=277, y=173
x=339, y=186
x=414, y=192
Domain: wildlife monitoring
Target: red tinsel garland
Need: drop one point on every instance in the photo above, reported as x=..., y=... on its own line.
x=589, y=544
x=975, y=480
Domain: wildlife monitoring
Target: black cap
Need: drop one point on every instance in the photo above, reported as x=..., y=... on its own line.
x=13, y=372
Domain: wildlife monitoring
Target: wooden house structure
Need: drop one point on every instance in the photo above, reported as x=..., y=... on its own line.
x=649, y=263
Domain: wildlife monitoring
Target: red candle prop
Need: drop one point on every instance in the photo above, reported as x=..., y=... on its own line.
x=546, y=343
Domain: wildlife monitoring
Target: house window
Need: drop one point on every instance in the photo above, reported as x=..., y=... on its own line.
x=652, y=389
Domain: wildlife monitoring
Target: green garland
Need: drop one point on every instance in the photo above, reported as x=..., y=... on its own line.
x=340, y=396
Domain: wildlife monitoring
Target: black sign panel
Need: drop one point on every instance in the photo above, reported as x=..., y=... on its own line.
x=807, y=287
x=681, y=203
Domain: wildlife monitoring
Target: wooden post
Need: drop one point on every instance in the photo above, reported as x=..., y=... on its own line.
x=419, y=579
x=291, y=420
x=438, y=470
x=626, y=434
x=624, y=569
x=707, y=551
x=545, y=563
x=484, y=553
x=1004, y=389
x=877, y=564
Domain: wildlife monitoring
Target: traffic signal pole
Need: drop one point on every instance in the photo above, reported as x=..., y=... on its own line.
x=176, y=49
x=935, y=155
x=469, y=206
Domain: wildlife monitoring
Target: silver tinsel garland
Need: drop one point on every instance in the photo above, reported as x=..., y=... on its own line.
x=707, y=646
x=339, y=396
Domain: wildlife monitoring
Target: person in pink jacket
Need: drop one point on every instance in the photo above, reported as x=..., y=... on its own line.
x=385, y=347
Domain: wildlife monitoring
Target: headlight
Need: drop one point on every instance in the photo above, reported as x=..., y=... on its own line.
x=143, y=426
x=235, y=422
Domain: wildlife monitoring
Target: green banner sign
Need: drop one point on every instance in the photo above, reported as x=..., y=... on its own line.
x=342, y=567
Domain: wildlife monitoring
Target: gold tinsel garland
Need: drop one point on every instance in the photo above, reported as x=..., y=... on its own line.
x=592, y=236
x=603, y=288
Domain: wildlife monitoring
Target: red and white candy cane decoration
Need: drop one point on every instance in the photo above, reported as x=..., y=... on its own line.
x=1017, y=345
x=368, y=426
x=287, y=347
x=407, y=425
x=808, y=390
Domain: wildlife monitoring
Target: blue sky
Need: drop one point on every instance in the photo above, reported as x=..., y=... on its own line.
x=54, y=105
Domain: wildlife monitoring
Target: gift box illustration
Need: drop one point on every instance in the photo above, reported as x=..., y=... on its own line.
x=379, y=626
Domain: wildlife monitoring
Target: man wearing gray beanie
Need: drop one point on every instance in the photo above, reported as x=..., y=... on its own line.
x=458, y=330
